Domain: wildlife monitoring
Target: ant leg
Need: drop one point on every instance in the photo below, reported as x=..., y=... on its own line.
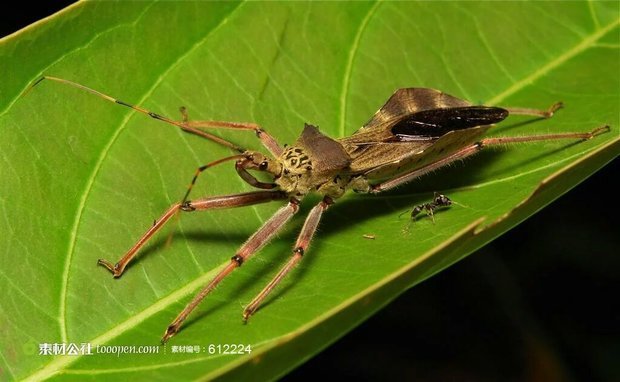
x=254, y=244
x=535, y=112
x=474, y=148
x=303, y=241
x=266, y=139
x=181, y=125
x=226, y=201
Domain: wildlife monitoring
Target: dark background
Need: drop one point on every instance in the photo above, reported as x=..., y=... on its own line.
x=520, y=309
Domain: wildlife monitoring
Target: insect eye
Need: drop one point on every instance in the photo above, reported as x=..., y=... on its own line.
x=263, y=165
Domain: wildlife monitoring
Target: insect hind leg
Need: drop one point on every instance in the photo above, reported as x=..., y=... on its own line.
x=548, y=113
x=473, y=149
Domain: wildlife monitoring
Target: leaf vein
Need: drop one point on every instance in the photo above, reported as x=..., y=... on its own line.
x=349, y=68
x=586, y=43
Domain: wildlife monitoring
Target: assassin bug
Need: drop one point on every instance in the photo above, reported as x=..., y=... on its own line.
x=417, y=131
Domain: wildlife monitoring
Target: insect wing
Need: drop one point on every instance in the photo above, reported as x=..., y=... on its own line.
x=428, y=153
x=414, y=126
x=408, y=101
x=434, y=123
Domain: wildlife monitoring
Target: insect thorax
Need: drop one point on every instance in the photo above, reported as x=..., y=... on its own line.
x=296, y=176
x=316, y=163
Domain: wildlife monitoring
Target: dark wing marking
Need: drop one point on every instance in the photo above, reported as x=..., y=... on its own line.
x=415, y=127
x=407, y=101
x=434, y=123
x=422, y=115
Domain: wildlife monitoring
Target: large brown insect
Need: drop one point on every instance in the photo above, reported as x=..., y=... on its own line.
x=418, y=130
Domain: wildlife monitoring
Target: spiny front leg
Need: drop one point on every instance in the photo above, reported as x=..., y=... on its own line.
x=249, y=160
x=202, y=168
x=253, y=245
x=303, y=241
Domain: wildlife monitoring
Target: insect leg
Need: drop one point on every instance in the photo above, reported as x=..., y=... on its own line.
x=303, y=241
x=535, y=112
x=243, y=165
x=226, y=201
x=474, y=148
x=545, y=137
x=244, y=162
x=202, y=168
x=254, y=244
x=182, y=125
x=266, y=139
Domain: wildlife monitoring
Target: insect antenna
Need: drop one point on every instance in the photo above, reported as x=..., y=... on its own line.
x=182, y=125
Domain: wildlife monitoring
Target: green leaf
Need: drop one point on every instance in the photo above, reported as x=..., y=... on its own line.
x=82, y=179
